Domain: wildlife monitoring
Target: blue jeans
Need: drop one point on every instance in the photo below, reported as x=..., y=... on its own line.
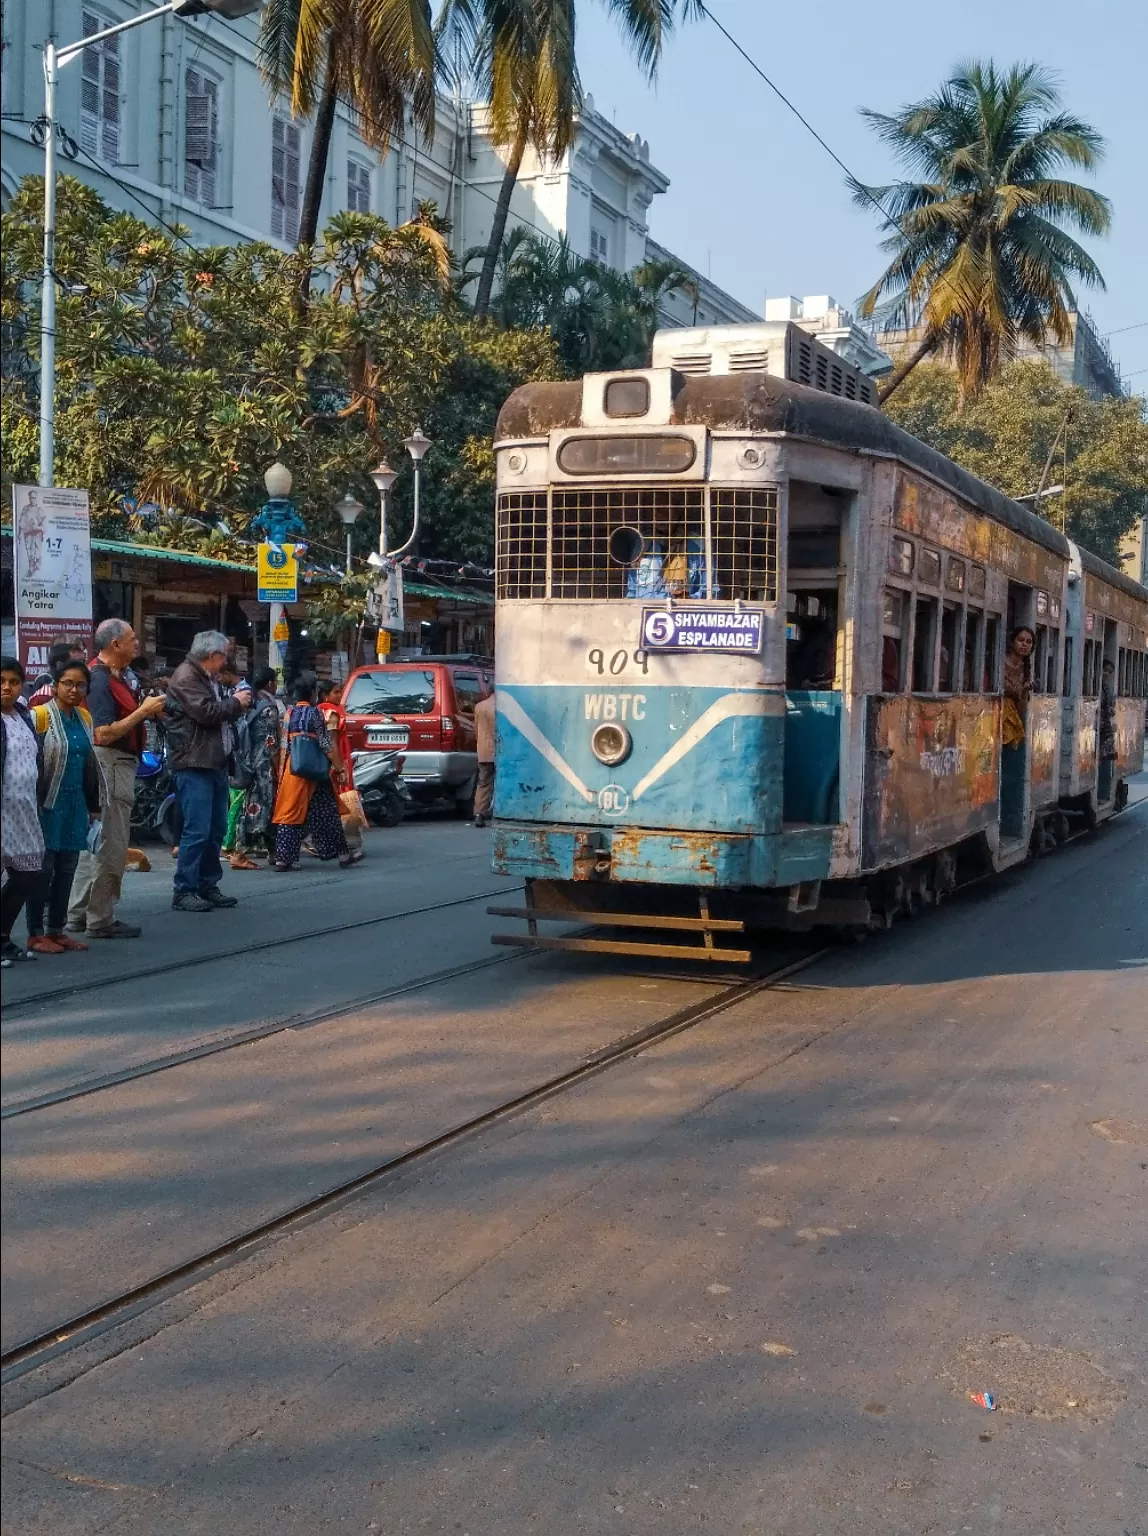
x=202, y=794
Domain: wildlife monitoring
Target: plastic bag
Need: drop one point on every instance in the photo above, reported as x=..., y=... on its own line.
x=351, y=808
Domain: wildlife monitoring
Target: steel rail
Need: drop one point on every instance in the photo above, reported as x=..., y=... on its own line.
x=76, y=1331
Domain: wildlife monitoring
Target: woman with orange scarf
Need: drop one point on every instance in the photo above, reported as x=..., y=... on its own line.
x=307, y=807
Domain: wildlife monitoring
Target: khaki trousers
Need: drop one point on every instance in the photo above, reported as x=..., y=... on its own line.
x=96, y=888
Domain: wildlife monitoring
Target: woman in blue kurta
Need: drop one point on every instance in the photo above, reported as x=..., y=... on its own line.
x=71, y=802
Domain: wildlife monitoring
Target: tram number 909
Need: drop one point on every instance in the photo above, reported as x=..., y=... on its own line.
x=617, y=662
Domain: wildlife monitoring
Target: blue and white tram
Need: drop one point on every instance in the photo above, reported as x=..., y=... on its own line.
x=750, y=640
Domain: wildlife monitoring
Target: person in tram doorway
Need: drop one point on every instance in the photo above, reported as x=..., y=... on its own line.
x=119, y=718
x=1017, y=685
x=484, y=728
x=200, y=742
x=1106, y=732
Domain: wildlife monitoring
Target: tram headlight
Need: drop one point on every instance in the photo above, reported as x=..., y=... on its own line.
x=611, y=744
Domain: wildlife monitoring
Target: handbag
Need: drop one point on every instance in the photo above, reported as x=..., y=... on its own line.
x=351, y=809
x=307, y=758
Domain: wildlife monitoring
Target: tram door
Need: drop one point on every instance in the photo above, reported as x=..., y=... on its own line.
x=1106, y=716
x=1015, y=757
x=812, y=655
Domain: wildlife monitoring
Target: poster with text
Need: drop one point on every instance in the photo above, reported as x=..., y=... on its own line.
x=52, y=565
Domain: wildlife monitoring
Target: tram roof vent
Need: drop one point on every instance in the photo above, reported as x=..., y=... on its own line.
x=775, y=347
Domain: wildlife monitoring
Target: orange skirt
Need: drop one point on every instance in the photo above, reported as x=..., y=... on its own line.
x=293, y=797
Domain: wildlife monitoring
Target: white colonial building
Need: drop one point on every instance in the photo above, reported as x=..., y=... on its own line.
x=173, y=122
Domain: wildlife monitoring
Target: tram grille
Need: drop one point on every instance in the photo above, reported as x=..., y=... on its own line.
x=672, y=522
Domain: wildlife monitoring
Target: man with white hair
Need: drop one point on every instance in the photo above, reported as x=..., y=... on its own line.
x=118, y=719
x=199, y=744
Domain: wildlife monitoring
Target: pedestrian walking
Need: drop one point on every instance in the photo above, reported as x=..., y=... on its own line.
x=257, y=756
x=199, y=743
x=71, y=803
x=119, y=718
x=484, y=729
x=21, y=789
x=331, y=708
x=306, y=802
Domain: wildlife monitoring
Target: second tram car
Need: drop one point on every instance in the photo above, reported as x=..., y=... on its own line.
x=751, y=641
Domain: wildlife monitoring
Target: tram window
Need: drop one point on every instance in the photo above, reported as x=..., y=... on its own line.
x=901, y=557
x=895, y=635
x=1091, y=651
x=1039, y=658
x=1066, y=676
x=991, y=675
x=955, y=575
x=924, y=644
x=1122, y=673
x=977, y=581
x=950, y=639
x=929, y=568
x=974, y=623
x=1050, y=661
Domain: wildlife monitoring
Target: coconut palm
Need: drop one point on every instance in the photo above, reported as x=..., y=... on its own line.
x=981, y=257
x=372, y=54
x=523, y=57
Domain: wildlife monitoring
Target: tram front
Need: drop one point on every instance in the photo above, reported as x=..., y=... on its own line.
x=641, y=645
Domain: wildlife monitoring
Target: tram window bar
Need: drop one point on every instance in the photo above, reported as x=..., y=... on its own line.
x=974, y=638
x=992, y=670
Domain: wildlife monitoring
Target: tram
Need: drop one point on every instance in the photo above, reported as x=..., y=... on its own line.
x=750, y=650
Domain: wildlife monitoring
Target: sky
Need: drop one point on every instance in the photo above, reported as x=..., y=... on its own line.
x=760, y=207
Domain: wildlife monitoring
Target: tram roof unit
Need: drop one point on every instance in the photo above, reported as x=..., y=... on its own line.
x=1095, y=566
x=763, y=403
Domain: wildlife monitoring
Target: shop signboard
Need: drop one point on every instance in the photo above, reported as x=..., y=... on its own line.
x=52, y=566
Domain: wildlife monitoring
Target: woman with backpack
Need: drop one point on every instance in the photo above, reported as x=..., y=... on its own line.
x=311, y=768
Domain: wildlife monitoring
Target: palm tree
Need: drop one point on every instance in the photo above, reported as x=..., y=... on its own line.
x=522, y=53
x=372, y=54
x=981, y=259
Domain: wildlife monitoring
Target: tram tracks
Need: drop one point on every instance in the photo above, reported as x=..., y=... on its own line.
x=103, y=1319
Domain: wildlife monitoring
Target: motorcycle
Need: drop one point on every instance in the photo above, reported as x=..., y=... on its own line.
x=378, y=778
x=154, y=811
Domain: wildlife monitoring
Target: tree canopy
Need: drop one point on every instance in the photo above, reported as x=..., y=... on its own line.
x=1006, y=435
x=182, y=373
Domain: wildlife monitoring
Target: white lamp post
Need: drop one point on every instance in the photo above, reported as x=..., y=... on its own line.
x=384, y=477
x=54, y=60
x=416, y=445
x=348, y=509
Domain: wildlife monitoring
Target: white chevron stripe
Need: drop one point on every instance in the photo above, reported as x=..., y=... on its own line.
x=509, y=706
x=727, y=708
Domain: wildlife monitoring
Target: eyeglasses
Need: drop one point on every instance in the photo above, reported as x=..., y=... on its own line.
x=78, y=683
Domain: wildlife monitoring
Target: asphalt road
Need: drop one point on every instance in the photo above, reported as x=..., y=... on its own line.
x=741, y=1283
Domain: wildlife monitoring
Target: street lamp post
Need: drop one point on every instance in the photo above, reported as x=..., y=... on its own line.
x=277, y=481
x=54, y=60
x=348, y=509
x=384, y=477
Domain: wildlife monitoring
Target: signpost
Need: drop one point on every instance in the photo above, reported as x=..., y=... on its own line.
x=696, y=627
x=51, y=533
x=278, y=584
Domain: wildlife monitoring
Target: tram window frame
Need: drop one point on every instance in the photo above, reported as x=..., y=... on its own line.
x=956, y=575
x=1121, y=673
x=896, y=598
x=1040, y=658
x=901, y=556
x=972, y=664
x=929, y=568
x=1052, y=656
x=948, y=671
x=1066, y=675
x=925, y=681
x=991, y=668
x=1091, y=650
x=977, y=581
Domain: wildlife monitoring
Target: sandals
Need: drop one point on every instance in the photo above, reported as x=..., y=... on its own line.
x=42, y=944
x=285, y=868
x=241, y=861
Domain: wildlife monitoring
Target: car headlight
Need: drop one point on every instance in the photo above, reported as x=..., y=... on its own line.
x=611, y=744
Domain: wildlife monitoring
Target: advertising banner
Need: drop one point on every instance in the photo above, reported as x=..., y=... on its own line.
x=52, y=565
x=278, y=574
x=390, y=599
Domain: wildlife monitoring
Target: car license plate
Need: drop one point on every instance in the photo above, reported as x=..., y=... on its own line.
x=387, y=736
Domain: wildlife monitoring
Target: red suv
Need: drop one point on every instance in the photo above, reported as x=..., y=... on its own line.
x=431, y=699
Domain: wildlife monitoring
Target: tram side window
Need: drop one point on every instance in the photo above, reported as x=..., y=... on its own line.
x=1039, y=658
x=924, y=645
x=950, y=640
x=1050, y=661
x=974, y=623
x=895, y=638
x=1091, y=654
x=991, y=676
x=1066, y=677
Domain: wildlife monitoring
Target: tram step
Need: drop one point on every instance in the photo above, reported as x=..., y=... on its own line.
x=623, y=947
x=622, y=919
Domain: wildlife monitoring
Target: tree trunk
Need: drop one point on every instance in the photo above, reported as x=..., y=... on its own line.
x=320, y=149
x=498, y=229
x=930, y=344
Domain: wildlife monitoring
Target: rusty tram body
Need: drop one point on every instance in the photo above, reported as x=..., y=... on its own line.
x=750, y=648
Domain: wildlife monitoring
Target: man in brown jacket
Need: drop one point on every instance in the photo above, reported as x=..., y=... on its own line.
x=199, y=744
x=484, y=723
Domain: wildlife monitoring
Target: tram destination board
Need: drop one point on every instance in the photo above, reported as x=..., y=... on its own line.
x=701, y=628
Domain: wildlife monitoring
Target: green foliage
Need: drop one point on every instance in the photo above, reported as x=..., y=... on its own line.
x=183, y=373
x=1006, y=434
x=980, y=255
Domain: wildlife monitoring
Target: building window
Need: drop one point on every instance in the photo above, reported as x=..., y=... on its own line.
x=100, y=93
x=599, y=245
x=358, y=187
x=201, y=137
x=286, y=182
